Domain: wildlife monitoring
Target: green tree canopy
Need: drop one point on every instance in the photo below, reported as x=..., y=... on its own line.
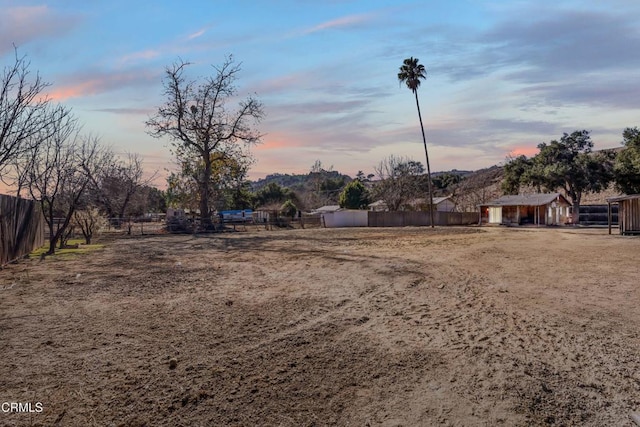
x=626, y=168
x=446, y=180
x=289, y=209
x=515, y=172
x=354, y=196
x=227, y=182
x=273, y=193
x=568, y=164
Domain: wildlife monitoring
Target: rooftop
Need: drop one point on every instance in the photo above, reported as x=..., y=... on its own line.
x=537, y=199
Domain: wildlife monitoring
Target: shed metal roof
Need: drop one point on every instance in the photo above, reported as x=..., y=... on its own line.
x=538, y=199
x=620, y=198
x=436, y=200
x=328, y=208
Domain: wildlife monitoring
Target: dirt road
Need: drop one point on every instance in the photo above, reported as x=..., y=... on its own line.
x=348, y=327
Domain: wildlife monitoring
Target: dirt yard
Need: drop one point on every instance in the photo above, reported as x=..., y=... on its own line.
x=347, y=327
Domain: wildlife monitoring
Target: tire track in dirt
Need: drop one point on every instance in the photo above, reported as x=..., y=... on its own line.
x=327, y=327
x=539, y=364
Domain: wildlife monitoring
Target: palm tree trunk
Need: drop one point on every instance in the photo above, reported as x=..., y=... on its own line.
x=426, y=154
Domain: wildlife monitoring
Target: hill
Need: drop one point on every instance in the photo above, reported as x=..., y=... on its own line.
x=467, y=188
x=313, y=189
x=485, y=184
x=297, y=181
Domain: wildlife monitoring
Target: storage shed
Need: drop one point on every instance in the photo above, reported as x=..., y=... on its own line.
x=378, y=206
x=444, y=204
x=628, y=213
x=327, y=209
x=537, y=209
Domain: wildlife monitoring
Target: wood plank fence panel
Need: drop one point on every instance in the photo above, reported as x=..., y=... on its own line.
x=418, y=218
x=21, y=228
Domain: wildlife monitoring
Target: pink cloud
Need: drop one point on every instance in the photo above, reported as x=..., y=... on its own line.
x=74, y=91
x=142, y=55
x=20, y=25
x=286, y=82
x=527, y=151
x=277, y=141
x=196, y=34
x=346, y=21
x=96, y=84
x=25, y=15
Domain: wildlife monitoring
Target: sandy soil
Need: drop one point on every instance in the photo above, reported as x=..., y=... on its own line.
x=349, y=327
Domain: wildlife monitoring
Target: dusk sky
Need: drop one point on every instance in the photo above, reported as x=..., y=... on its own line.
x=503, y=76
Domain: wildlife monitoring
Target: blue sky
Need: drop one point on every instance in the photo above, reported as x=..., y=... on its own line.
x=503, y=76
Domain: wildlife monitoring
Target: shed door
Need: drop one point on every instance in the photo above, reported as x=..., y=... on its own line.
x=495, y=215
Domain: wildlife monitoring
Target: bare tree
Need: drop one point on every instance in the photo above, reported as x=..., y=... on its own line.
x=115, y=181
x=316, y=197
x=90, y=221
x=200, y=125
x=57, y=178
x=24, y=112
x=19, y=173
x=477, y=188
x=399, y=181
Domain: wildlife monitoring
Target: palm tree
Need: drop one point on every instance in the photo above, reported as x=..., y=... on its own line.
x=411, y=73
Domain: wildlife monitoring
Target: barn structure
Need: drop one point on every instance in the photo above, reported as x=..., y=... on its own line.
x=535, y=209
x=628, y=213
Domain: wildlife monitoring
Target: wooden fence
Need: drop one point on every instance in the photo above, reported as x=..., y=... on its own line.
x=628, y=215
x=21, y=228
x=598, y=215
x=419, y=218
